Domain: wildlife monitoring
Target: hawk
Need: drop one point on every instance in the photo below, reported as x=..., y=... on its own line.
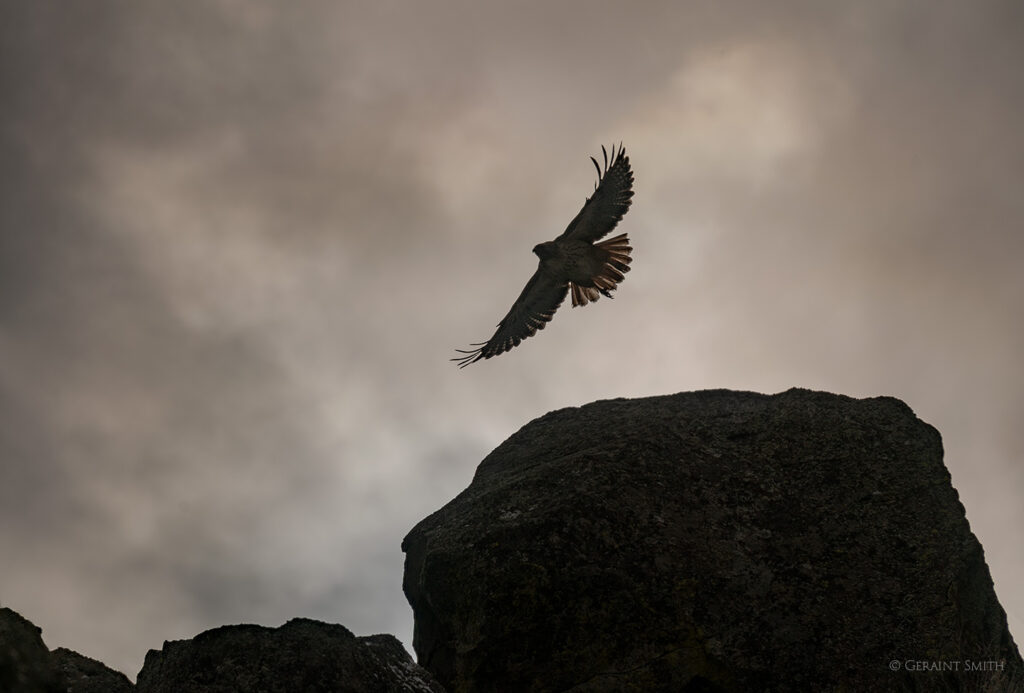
x=572, y=263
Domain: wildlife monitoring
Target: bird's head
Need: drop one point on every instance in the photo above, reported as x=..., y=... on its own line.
x=545, y=250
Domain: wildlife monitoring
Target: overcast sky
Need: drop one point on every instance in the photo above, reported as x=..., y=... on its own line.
x=240, y=241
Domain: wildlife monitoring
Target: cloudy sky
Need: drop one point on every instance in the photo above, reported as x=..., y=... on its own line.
x=240, y=241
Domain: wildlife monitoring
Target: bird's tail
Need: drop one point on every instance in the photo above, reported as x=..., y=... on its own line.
x=616, y=264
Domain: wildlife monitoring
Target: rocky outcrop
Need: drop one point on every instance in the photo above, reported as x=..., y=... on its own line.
x=710, y=541
x=302, y=655
x=84, y=675
x=25, y=665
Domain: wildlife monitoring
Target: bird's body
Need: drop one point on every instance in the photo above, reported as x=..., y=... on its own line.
x=573, y=262
x=590, y=269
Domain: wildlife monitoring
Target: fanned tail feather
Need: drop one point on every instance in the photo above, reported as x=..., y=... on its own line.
x=582, y=295
x=614, y=271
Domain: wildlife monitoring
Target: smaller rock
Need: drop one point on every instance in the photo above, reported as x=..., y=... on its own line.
x=25, y=665
x=302, y=655
x=84, y=675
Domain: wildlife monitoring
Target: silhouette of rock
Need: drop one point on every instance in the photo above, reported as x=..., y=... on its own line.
x=25, y=665
x=302, y=655
x=706, y=541
x=84, y=675
x=710, y=541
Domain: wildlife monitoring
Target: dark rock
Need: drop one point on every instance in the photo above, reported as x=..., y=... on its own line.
x=302, y=655
x=25, y=665
x=710, y=541
x=84, y=675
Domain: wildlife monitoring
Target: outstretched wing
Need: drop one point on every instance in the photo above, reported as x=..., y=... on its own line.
x=532, y=310
x=611, y=199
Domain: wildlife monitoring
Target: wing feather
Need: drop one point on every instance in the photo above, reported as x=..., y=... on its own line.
x=533, y=309
x=612, y=196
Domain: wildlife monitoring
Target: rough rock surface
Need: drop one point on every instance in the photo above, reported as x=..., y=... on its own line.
x=84, y=675
x=25, y=665
x=710, y=541
x=302, y=655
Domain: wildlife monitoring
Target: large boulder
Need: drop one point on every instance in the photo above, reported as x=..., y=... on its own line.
x=710, y=541
x=302, y=655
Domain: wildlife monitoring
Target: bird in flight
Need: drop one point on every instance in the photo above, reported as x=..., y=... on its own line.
x=572, y=263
